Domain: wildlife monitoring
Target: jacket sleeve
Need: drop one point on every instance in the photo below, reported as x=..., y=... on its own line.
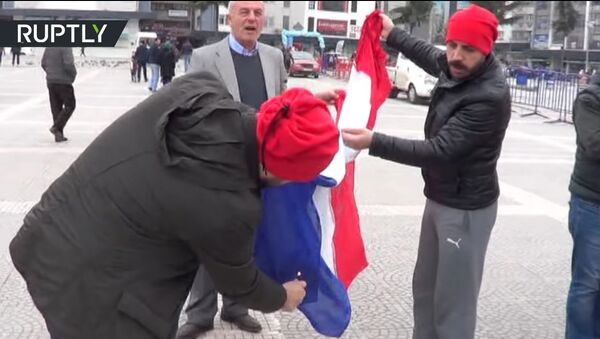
x=196, y=63
x=282, y=72
x=586, y=118
x=69, y=62
x=468, y=128
x=418, y=51
x=229, y=261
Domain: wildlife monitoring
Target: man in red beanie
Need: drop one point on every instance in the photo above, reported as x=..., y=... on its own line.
x=464, y=130
x=113, y=246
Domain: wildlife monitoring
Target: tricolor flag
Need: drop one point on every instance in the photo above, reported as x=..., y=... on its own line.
x=311, y=231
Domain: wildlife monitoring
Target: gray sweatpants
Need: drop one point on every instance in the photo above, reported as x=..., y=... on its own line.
x=449, y=270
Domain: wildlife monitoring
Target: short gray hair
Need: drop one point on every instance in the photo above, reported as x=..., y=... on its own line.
x=232, y=4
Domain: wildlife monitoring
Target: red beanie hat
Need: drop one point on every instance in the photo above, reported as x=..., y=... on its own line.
x=474, y=26
x=297, y=137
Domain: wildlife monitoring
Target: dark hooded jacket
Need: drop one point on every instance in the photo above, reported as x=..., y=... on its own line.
x=112, y=248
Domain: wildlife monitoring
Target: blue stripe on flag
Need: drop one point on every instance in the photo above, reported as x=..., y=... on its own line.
x=288, y=241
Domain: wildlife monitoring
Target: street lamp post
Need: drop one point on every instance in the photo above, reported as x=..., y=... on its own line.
x=587, y=50
x=586, y=34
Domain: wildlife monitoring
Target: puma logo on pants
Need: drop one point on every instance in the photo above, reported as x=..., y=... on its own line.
x=455, y=243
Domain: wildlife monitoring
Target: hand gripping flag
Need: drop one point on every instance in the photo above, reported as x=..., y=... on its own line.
x=311, y=231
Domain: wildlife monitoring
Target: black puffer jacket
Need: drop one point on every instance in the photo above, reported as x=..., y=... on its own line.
x=464, y=130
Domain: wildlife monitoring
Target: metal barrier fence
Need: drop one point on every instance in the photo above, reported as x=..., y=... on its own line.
x=549, y=90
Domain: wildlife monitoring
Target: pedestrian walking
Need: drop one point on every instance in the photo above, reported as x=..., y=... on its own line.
x=288, y=59
x=167, y=59
x=16, y=55
x=59, y=65
x=133, y=68
x=154, y=63
x=187, y=49
x=82, y=52
x=141, y=55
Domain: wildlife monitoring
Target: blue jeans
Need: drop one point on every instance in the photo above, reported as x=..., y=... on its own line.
x=155, y=69
x=583, y=303
x=187, y=61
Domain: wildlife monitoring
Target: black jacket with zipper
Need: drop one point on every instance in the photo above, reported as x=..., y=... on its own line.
x=464, y=129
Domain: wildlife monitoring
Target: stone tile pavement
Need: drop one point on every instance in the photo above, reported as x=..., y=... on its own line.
x=527, y=270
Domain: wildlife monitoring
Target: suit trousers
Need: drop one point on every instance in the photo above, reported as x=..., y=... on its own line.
x=202, y=305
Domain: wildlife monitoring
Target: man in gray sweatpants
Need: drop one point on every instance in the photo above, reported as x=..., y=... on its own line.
x=464, y=130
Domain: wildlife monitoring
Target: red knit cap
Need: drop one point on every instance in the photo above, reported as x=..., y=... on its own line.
x=474, y=26
x=297, y=137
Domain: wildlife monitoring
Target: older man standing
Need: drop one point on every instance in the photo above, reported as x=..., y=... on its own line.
x=252, y=72
x=464, y=131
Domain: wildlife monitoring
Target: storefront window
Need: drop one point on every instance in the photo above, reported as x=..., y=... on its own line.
x=334, y=6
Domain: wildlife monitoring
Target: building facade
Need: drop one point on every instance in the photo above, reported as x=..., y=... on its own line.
x=334, y=20
x=133, y=11
x=171, y=18
x=578, y=50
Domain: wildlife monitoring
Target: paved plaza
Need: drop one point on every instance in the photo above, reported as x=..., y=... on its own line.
x=528, y=265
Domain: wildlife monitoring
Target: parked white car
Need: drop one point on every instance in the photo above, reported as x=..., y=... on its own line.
x=411, y=79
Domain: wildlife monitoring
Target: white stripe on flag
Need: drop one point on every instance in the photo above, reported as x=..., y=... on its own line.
x=357, y=106
x=322, y=201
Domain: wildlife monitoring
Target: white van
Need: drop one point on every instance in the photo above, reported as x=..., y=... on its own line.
x=143, y=36
x=411, y=79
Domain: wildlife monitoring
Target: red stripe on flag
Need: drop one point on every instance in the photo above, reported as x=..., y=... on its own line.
x=350, y=256
x=371, y=60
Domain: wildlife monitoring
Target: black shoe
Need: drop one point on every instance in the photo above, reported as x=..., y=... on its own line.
x=244, y=323
x=192, y=331
x=58, y=135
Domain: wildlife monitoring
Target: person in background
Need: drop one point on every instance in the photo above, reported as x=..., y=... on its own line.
x=167, y=60
x=59, y=65
x=583, y=302
x=133, y=68
x=187, y=49
x=141, y=56
x=288, y=59
x=16, y=55
x=154, y=62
